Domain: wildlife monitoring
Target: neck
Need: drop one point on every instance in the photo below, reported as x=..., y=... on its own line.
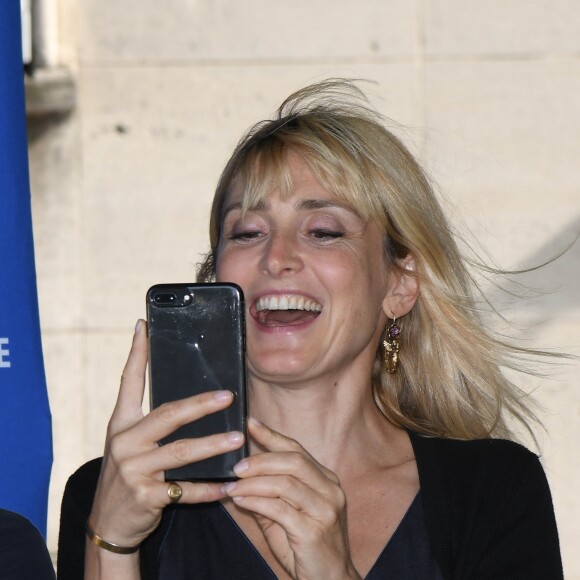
x=336, y=420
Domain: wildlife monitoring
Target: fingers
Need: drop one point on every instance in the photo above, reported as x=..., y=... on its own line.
x=292, y=463
x=310, y=511
x=130, y=399
x=287, y=474
x=278, y=511
x=168, y=417
x=304, y=491
x=269, y=439
x=294, y=492
x=136, y=450
x=296, y=459
x=157, y=493
x=187, y=451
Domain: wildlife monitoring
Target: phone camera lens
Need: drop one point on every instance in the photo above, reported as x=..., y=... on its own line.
x=165, y=298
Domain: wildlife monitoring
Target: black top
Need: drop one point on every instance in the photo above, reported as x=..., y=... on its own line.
x=198, y=536
x=23, y=553
x=486, y=507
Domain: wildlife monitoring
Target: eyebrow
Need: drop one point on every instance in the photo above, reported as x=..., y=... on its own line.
x=321, y=204
x=304, y=204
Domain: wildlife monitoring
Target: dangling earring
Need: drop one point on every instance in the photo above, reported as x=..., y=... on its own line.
x=391, y=344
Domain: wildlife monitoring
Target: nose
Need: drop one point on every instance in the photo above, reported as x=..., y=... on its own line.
x=281, y=255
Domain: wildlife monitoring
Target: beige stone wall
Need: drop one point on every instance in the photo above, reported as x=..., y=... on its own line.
x=489, y=93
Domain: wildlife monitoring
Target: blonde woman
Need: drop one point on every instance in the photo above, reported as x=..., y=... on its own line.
x=378, y=431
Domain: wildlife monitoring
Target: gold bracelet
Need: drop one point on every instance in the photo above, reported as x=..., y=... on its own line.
x=115, y=548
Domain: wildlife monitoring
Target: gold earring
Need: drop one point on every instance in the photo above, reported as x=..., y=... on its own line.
x=391, y=344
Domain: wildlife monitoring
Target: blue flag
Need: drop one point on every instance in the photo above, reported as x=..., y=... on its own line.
x=25, y=425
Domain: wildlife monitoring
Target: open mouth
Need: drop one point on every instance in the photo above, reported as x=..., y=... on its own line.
x=286, y=310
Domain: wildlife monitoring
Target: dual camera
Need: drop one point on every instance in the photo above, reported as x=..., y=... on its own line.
x=177, y=297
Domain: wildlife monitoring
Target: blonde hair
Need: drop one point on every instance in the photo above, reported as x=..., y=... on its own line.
x=449, y=382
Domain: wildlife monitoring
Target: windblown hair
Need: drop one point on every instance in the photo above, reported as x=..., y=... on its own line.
x=449, y=382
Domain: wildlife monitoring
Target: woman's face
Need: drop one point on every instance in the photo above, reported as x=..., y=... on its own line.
x=314, y=278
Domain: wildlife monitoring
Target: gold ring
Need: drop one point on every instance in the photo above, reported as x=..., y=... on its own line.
x=174, y=492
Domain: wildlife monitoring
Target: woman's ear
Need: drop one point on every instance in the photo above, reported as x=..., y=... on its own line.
x=402, y=288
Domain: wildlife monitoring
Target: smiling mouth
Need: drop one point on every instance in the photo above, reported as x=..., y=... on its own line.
x=286, y=310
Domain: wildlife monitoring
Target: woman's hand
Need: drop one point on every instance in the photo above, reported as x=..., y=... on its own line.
x=132, y=492
x=298, y=504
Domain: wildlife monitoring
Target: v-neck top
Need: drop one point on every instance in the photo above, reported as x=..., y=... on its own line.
x=204, y=542
x=486, y=505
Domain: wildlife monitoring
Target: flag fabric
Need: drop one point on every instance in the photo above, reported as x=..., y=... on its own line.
x=25, y=423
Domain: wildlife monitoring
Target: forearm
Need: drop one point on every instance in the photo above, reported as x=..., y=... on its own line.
x=103, y=565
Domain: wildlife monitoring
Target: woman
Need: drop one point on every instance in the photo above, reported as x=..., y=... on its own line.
x=376, y=395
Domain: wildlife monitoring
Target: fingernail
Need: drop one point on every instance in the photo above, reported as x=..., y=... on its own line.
x=229, y=487
x=255, y=421
x=222, y=396
x=138, y=325
x=235, y=437
x=241, y=467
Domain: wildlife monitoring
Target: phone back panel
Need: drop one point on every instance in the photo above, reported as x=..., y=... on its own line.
x=197, y=344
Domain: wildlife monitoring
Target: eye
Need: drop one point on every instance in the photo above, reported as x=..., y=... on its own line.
x=247, y=235
x=326, y=234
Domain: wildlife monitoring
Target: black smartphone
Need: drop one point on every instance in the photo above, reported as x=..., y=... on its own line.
x=196, y=336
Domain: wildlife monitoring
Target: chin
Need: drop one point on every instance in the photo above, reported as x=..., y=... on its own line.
x=278, y=367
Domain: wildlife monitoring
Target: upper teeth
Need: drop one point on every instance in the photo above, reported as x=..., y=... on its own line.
x=287, y=302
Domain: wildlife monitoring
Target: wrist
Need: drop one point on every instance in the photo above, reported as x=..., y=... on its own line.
x=107, y=545
x=103, y=565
